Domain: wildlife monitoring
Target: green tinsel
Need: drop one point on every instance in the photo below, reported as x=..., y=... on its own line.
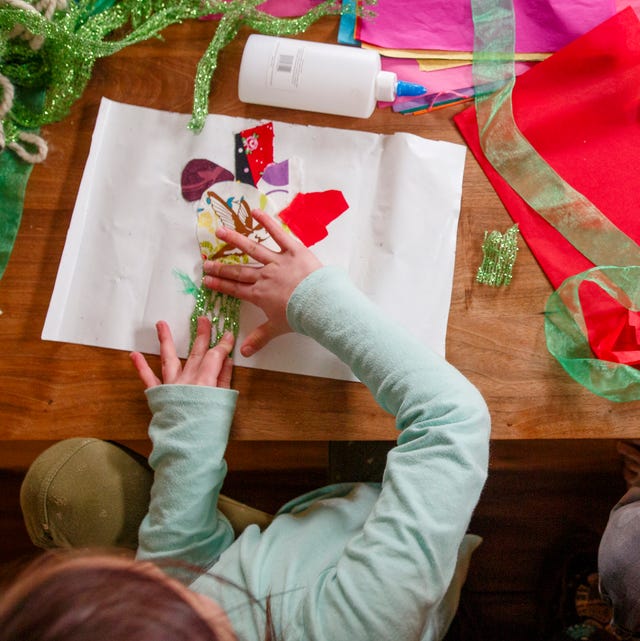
x=75, y=38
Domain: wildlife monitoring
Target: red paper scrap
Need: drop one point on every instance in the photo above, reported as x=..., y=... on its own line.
x=308, y=215
x=258, y=148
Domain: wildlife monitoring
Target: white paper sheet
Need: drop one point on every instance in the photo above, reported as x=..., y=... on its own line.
x=131, y=229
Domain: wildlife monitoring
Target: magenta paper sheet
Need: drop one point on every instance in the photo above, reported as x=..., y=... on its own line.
x=288, y=8
x=541, y=25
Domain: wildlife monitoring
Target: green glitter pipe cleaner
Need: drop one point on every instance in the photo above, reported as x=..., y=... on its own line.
x=76, y=37
x=499, y=255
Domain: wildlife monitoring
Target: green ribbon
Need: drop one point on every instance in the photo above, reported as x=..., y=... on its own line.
x=567, y=334
x=515, y=159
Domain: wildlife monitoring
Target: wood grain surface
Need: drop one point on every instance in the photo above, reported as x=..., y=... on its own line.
x=495, y=337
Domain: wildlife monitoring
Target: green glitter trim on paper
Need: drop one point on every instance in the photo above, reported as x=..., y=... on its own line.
x=500, y=251
x=221, y=309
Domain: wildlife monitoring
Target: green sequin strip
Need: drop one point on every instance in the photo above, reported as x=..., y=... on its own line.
x=499, y=255
x=88, y=30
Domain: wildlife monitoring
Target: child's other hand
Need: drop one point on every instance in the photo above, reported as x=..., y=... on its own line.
x=210, y=366
x=270, y=286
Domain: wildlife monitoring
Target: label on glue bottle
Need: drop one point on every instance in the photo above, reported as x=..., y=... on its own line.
x=286, y=65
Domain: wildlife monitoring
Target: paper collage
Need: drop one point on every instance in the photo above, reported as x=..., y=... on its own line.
x=137, y=213
x=260, y=183
x=230, y=203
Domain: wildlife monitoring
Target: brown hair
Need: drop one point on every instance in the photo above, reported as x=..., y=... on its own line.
x=56, y=600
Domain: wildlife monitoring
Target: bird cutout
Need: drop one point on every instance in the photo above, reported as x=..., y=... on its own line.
x=229, y=205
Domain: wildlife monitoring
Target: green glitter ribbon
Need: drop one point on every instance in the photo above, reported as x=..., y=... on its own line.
x=77, y=37
x=499, y=255
x=573, y=215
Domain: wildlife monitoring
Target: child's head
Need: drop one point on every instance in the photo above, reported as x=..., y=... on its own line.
x=77, y=597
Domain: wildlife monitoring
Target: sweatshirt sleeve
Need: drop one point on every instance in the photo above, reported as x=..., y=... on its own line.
x=189, y=432
x=394, y=573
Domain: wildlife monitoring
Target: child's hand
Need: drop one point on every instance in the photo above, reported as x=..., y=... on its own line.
x=205, y=365
x=270, y=286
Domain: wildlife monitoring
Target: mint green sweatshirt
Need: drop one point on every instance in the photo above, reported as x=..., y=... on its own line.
x=352, y=562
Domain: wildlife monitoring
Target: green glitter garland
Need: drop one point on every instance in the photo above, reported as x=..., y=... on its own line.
x=76, y=37
x=499, y=251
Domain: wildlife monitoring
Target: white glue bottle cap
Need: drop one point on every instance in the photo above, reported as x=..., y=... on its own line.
x=386, y=82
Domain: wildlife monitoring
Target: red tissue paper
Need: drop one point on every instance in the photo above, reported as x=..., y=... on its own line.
x=613, y=329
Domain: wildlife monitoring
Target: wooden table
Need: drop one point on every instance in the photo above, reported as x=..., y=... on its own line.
x=496, y=337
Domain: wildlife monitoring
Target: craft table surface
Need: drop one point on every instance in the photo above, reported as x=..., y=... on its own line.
x=50, y=390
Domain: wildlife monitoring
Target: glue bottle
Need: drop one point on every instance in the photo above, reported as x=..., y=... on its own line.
x=313, y=76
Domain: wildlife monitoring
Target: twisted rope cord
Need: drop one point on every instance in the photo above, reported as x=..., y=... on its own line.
x=14, y=138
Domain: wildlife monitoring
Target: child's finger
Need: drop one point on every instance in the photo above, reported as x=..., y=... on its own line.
x=200, y=345
x=170, y=363
x=146, y=374
x=214, y=362
x=258, y=338
x=224, y=379
x=243, y=291
x=239, y=273
x=282, y=238
x=246, y=245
